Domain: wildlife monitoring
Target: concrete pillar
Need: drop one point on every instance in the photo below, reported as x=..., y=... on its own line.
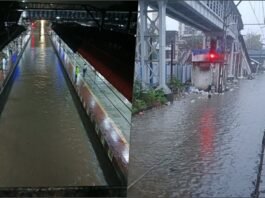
x=143, y=27
x=204, y=44
x=231, y=64
x=162, y=46
x=240, y=62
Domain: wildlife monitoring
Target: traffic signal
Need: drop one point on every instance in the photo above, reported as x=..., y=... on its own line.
x=213, y=56
x=213, y=45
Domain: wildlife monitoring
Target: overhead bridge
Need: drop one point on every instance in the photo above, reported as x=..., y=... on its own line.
x=197, y=14
x=218, y=20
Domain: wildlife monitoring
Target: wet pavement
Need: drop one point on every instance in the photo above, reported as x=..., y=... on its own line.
x=199, y=147
x=42, y=139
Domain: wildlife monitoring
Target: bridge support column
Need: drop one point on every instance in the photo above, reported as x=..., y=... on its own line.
x=162, y=4
x=204, y=42
x=146, y=63
x=143, y=28
x=231, y=63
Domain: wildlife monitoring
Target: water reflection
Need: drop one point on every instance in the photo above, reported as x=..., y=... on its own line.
x=207, y=131
x=198, y=146
x=32, y=41
x=42, y=33
x=42, y=140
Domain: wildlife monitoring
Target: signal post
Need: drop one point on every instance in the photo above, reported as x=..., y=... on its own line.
x=207, y=68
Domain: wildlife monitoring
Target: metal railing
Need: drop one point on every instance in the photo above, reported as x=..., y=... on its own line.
x=96, y=76
x=102, y=89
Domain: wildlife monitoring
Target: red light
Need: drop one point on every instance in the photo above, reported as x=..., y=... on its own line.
x=212, y=56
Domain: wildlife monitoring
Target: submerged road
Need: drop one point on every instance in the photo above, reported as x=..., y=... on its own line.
x=43, y=141
x=199, y=147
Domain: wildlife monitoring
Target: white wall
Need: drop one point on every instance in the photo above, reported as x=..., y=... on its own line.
x=201, y=79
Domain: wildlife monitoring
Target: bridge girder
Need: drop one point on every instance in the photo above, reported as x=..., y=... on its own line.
x=193, y=13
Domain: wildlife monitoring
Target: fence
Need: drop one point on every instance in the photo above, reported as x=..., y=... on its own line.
x=181, y=72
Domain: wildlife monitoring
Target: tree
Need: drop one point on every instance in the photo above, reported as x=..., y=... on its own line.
x=253, y=41
x=193, y=42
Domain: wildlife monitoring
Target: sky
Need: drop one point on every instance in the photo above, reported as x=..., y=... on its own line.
x=247, y=14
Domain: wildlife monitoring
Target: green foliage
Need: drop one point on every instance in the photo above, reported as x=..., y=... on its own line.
x=193, y=42
x=143, y=99
x=137, y=89
x=154, y=97
x=253, y=41
x=138, y=105
x=176, y=85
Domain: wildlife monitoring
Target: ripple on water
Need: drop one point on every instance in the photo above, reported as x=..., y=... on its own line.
x=44, y=140
x=208, y=148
